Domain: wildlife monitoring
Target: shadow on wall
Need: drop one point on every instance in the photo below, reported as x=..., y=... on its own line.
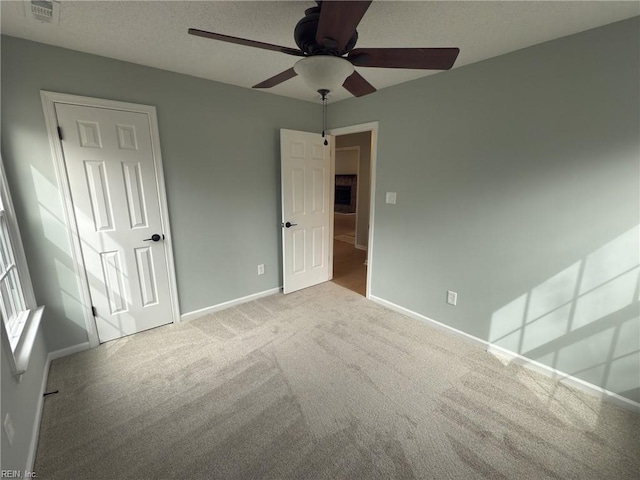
x=584, y=321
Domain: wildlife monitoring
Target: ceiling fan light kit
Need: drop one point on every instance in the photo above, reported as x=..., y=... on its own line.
x=326, y=38
x=323, y=72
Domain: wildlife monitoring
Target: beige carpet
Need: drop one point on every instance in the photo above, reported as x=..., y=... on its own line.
x=319, y=384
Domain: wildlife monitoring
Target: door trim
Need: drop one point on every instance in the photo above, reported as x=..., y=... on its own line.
x=372, y=127
x=49, y=99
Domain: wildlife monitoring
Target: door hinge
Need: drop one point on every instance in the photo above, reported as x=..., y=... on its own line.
x=59, y=133
x=94, y=311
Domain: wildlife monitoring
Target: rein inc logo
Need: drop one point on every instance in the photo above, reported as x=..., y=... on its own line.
x=17, y=474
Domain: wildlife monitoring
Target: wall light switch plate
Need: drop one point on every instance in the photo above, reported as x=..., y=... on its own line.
x=261, y=269
x=391, y=197
x=452, y=297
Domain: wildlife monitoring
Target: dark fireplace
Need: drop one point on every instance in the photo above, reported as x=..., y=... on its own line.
x=346, y=193
x=343, y=194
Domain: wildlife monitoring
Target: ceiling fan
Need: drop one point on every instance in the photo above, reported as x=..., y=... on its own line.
x=326, y=39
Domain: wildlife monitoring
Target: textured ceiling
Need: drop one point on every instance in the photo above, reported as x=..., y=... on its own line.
x=155, y=33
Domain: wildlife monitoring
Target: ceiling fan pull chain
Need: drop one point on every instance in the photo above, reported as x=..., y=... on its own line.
x=324, y=119
x=324, y=114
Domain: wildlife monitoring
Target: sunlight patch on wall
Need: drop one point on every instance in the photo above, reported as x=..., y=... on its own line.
x=547, y=328
x=555, y=292
x=629, y=338
x=584, y=320
x=587, y=356
x=613, y=259
x=66, y=276
x=606, y=299
x=53, y=225
x=507, y=322
x=623, y=368
x=55, y=231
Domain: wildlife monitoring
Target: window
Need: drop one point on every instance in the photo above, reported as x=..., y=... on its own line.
x=12, y=304
x=20, y=314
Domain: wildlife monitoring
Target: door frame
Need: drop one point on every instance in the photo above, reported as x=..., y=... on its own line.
x=49, y=99
x=372, y=127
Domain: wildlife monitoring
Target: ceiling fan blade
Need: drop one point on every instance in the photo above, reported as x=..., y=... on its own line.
x=418, y=58
x=244, y=41
x=338, y=21
x=277, y=79
x=357, y=85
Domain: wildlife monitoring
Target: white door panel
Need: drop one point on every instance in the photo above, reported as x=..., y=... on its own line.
x=112, y=176
x=306, y=204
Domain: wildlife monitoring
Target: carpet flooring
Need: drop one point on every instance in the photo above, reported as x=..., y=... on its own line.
x=320, y=384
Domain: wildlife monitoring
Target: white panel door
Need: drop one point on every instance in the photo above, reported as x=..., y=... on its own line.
x=306, y=209
x=112, y=175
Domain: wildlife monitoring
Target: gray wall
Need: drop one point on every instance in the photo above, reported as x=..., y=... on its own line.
x=517, y=182
x=220, y=149
x=362, y=140
x=517, y=187
x=20, y=400
x=347, y=163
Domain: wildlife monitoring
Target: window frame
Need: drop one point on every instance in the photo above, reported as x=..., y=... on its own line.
x=20, y=330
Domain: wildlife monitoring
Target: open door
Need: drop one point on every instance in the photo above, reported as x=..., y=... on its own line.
x=307, y=200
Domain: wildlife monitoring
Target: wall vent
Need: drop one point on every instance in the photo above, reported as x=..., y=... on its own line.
x=46, y=11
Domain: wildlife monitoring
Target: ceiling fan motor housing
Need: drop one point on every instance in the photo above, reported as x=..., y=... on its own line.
x=325, y=36
x=305, y=36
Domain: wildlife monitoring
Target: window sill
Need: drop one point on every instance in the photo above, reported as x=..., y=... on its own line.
x=19, y=357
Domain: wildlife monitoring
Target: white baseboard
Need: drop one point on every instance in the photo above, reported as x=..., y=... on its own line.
x=361, y=247
x=68, y=351
x=231, y=303
x=430, y=321
x=496, y=350
x=33, y=445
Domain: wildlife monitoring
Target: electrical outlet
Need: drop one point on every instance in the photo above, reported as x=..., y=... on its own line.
x=452, y=297
x=261, y=269
x=8, y=429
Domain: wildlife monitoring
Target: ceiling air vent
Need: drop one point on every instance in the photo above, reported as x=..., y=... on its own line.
x=45, y=11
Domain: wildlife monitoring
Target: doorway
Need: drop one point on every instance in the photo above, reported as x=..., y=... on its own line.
x=352, y=209
x=308, y=184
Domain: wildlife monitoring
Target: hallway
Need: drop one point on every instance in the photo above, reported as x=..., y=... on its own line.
x=349, y=269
